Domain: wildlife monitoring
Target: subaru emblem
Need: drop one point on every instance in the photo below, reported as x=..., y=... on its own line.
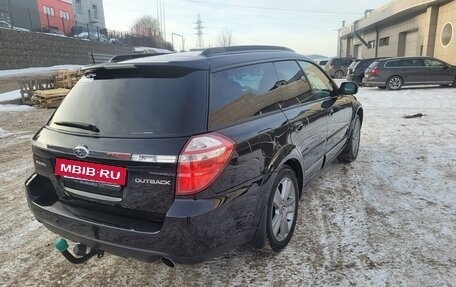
x=81, y=151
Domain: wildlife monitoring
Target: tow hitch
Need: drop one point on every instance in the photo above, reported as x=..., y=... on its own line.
x=79, y=249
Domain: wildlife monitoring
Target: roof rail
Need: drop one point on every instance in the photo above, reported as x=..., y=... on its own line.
x=246, y=48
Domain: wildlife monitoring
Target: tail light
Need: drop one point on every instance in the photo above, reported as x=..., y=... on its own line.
x=373, y=72
x=201, y=161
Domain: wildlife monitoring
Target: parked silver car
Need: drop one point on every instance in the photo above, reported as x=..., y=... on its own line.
x=393, y=73
x=337, y=67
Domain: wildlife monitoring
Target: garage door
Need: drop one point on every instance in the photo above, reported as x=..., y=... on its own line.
x=357, y=51
x=411, y=44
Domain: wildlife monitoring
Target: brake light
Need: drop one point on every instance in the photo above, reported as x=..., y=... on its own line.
x=201, y=161
x=373, y=72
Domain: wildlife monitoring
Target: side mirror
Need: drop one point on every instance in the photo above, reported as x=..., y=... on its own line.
x=348, y=88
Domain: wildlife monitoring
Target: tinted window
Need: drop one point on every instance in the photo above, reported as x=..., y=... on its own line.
x=411, y=63
x=135, y=106
x=433, y=63
x=364, y=64
x=405, y=63
x=392, y=64
x=375, y=64
x=243, y=92
x=320, y=83
x=293, y=84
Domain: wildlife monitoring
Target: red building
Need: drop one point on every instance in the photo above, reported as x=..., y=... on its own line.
x=56, y=15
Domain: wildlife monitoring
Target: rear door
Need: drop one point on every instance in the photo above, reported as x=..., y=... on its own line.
x=306, y=117
x=412, y=70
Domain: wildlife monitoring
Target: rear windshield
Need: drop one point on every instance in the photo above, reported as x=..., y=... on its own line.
x=136, y=104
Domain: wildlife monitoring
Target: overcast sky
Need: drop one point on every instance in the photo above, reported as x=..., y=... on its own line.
x=308, y=27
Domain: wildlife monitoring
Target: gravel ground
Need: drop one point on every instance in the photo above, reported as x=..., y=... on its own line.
x=387, y=219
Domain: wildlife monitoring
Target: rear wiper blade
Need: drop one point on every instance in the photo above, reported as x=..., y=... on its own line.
x=79, y=125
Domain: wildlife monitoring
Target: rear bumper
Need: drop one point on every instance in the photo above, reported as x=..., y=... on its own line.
x=193, y=230
x=372, y=83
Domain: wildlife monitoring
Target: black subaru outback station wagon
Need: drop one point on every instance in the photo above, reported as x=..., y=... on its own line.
x=181, y=157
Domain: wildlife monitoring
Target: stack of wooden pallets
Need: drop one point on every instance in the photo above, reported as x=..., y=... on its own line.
x=49, y=98
x=67, y=79
x=48, y=92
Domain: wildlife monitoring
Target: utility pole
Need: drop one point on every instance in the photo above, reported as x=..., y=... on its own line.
x=178, y=35
x=10, y=12
x=199, y=33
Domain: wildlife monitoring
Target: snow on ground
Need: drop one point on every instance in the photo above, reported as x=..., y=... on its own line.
x=10, y=95
x=387, y=219
x=32, y=71
x=15, y=108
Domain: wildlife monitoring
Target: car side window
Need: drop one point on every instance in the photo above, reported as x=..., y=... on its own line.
x=411, y=63
x=320, y=83
x=239, y=93
x=293, y=84
x=433, y=63
x=392, y=64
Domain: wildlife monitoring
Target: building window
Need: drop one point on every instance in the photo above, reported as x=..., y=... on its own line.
x=64, y=15
x=371, y=44
x=95, y=11
x=384, y=41
x=447, y=34
x=79, y=6
x=48, y=10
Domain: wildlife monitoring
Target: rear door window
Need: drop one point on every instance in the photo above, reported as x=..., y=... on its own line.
x=295, y=88
x=240, y=93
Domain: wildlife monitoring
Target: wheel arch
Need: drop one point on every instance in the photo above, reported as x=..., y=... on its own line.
x=360, y=113
x=290, y=156
x=297, y=169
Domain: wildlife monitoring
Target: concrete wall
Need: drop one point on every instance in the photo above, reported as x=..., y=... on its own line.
x=27, y=49
x=447, y=14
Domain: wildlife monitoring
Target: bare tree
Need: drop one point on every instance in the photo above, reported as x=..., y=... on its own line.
x=146, y=26
x=225, y=38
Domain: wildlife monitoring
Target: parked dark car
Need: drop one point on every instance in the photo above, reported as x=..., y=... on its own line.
x=394, y=73
x=181, y=157
x=337, y=67
x=355, y=71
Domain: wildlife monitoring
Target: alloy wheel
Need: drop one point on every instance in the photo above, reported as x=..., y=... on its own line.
x=283, y=210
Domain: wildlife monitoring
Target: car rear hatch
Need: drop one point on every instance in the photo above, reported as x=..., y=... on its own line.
x=114, y=142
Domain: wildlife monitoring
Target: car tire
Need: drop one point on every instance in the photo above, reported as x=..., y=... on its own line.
x=394, y=83
x=338, y=74
x=282, y=209
x=350, y=153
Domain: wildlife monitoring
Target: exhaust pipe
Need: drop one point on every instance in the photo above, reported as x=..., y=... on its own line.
x=168, y=262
